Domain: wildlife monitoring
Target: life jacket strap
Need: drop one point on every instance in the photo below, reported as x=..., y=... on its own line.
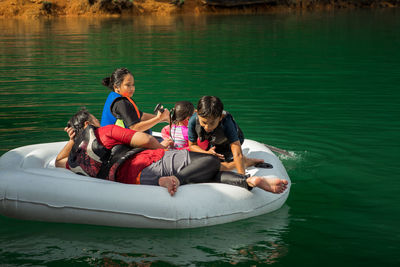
x=134, y=105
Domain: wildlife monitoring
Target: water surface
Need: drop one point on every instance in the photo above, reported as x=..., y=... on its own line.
x=324, y=86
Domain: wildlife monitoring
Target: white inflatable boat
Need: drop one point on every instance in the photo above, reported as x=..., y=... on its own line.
x=31, y=188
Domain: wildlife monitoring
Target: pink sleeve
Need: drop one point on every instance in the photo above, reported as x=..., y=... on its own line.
x=165, y=132
x=185, y=131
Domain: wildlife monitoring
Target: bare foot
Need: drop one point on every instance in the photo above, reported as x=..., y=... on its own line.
x=273, y=185
x=251, y=162
x=169, y=182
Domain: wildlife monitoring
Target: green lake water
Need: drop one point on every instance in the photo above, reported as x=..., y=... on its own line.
x=324, y=86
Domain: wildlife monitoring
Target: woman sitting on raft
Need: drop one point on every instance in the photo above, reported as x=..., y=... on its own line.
x=112, y=153
x=120, y=109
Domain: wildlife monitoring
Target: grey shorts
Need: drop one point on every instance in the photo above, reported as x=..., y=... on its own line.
x=171, y=163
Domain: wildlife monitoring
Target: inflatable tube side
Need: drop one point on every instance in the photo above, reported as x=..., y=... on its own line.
x=31, y=188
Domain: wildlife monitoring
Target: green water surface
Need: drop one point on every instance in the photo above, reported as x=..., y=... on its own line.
x=325, y=86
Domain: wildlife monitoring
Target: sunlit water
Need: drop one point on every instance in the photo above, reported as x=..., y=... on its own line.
x=323, y=86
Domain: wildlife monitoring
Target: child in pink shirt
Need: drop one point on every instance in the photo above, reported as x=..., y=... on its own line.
x=178, y=130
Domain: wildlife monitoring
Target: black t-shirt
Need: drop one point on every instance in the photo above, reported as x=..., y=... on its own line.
x=124, y=110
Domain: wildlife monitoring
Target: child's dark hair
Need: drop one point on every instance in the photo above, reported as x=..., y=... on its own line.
x=210, y=107
x=77, y=122
x=181, y=111
x=116, y=78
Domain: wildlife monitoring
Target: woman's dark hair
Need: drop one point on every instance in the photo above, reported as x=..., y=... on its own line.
x=77, y=122
x=181, y=111
x=116, y=78
x=210, y=107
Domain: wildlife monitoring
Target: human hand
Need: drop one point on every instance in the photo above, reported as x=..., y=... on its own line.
x=164, y=116
x=212, y=152
x=71, y=133
x=168, y=143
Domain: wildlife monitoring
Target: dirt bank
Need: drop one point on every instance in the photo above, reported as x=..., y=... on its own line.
x=98, y=8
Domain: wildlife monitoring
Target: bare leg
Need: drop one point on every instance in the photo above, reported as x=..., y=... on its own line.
x=169, y=182
x=145, y=140
x=248, y=162
x=273, y=185
x=227, y=166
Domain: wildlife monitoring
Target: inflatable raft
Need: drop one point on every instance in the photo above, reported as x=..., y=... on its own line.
x=31, y=188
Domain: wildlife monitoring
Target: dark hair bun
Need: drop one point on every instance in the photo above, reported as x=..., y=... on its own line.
x=106, y=82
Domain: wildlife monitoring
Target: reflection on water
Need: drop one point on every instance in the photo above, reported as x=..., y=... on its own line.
x=324, y=86
x=257, y=240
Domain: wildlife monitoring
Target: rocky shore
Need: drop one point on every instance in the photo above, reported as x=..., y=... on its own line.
x=98, y=8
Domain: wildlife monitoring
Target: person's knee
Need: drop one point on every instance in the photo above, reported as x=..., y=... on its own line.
x=141, y=139
x=205, y=161
x=212, y=162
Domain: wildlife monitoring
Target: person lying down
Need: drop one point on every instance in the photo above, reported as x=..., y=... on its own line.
x=127, y=156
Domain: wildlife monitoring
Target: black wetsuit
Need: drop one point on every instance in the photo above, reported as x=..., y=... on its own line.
x=200, y=168
x=206, y=168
